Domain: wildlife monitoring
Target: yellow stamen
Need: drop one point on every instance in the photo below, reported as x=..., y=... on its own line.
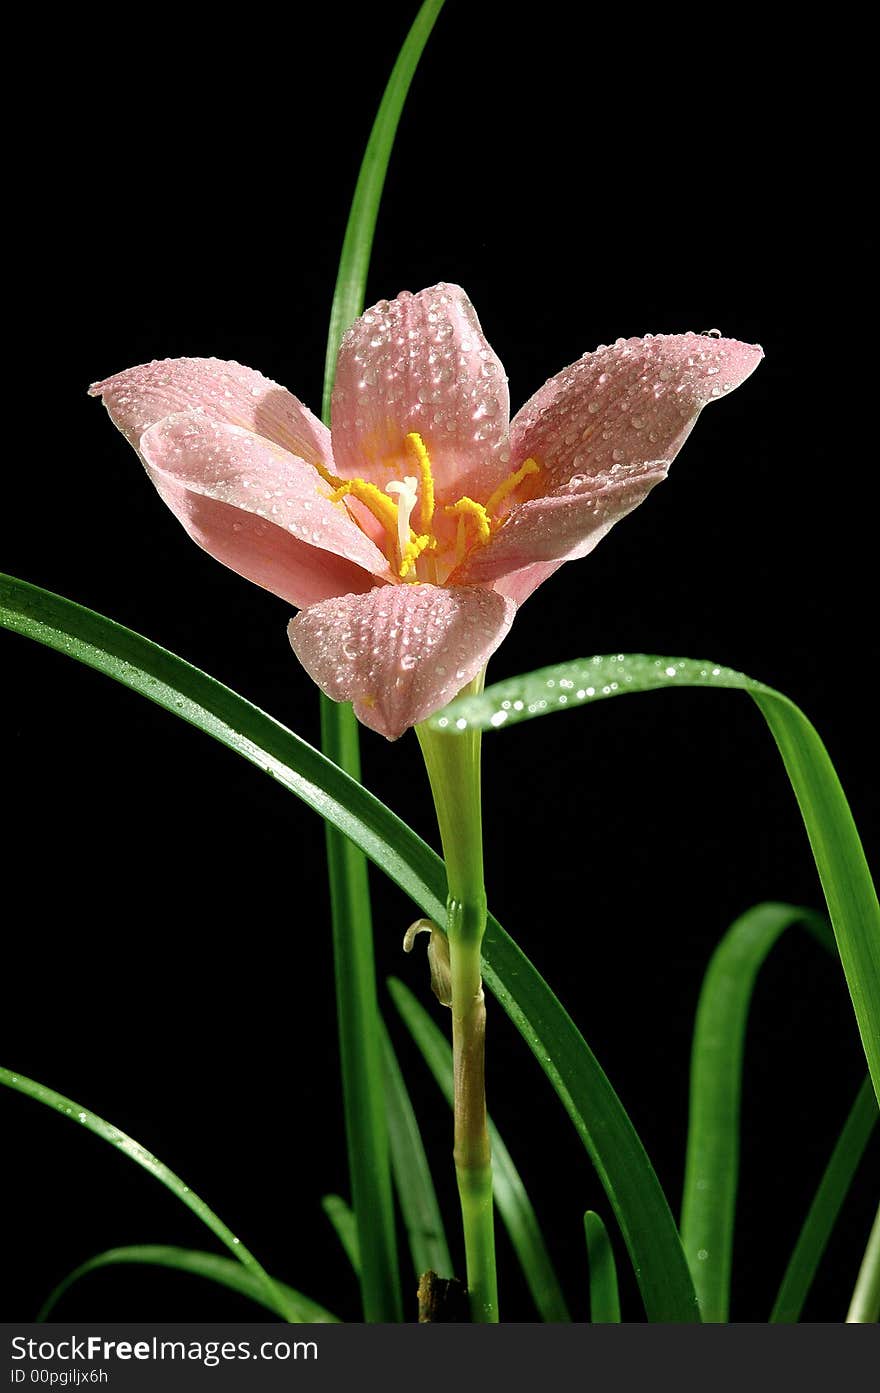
x=467, y=508
x=379, y=504
x=510, y=483
x=332, y=479
x=419, y=452
x=411, y=555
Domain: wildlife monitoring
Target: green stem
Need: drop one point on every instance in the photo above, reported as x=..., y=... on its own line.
x=453, y=765
x=865, y=1305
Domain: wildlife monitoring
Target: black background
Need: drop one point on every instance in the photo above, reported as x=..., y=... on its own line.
x=167, y=950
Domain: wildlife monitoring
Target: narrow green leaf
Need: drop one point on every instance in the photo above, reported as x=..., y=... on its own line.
x=840, y=860
x=711, y=1170
x=827, y=1203
x=343, y=1219
x=604, y=1298
x=357, y=1015
x=638, y=1201
x=864, y=1309
x=412, y=1174
x=133, y=1149
x=623, y=1167
x=354, y=959
x=298, y=1309
x=351, y=280
x=511, y=1197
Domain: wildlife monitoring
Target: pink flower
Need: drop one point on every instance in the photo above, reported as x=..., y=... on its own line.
x=409, y=534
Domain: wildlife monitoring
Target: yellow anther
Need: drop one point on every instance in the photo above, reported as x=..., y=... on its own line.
x=467, y=508
x=510, y=483
x=420, y=454
x=379, y=504
x=332, y=479
x=411, y=555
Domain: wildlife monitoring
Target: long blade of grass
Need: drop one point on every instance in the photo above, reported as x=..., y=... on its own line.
x=711, y=1169
x=511, y=1197
x=604, y=1298
x=356, y=1004
x=827, y=1203
x=837, y=850
x=412, y=1174
x=354, y=262
x=864, y=1309
x=298, y=1309
x=342, y=1217
x=133, y=1149
x=637, y=1199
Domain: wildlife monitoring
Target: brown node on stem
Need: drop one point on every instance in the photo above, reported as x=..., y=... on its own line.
x=442, y=1300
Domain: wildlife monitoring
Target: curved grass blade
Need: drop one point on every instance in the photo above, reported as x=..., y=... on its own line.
x=342, y=1217
x=711, y=1169
x=827, y=1203
x=412, y=1174
x=354, y=261
x=865, y=1305
x=138, y=1153
x=634, y=1192
x=840, y=860
x=353, y=956
x=604, y=1298
x=511, y=1197
x=298, y=1309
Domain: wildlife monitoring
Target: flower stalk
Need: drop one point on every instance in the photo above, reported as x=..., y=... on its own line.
x=453, y=765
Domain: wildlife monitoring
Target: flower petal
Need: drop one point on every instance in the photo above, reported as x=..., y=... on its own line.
x=402, y=651
x=560, y=527
x=259, y=510
x=224, y=391
x=519, y=585
x=421, y=363
x=629, y=404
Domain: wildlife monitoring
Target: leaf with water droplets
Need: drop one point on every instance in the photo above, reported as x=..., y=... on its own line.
x=298, y=1309
x=837, y=850
x=41, y=1094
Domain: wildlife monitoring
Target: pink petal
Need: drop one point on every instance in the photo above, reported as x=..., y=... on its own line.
x=139, y=397
x=421, y=363
x=630, y=404
x=402, y=651
x=560, y=527
x=519, y=585
x=259, y=510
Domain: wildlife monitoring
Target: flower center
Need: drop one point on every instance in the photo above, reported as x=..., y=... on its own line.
x=443, y=545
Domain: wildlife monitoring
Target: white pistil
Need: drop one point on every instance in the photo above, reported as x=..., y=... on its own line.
x=407, y=491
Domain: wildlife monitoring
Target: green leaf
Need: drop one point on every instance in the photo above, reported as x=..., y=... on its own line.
x=412, y=1174
x=353, y=956
x=298, y=1309
x=511, y=1197
x=638, y=1201
x=864, y=1309
x=827, y=1203
x=133, y=1149
x=840, y=860
x=604, y=1299
x=351, y=279
x=343, y=1219
x=357, y=1015
x=711, y=1170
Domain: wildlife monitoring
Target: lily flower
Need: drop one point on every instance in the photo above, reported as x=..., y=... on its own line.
x=409, y=533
